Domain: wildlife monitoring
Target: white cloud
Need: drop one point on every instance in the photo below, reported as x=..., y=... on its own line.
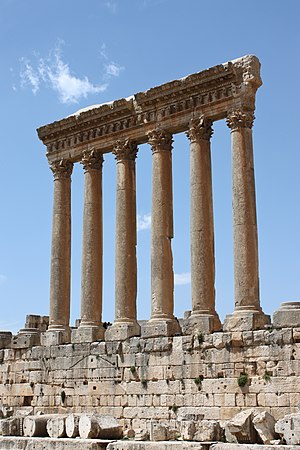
x=29, y=76
x=113, y=69
x=3, y=279
x=143, y=222
x=182, y=278
x=53, y=72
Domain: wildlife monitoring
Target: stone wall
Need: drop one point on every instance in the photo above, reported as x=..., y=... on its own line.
x=165, y=379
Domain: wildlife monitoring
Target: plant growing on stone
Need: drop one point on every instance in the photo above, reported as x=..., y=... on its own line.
x=144, y=383
x=198, y=380
x=200, y=338
x=242, y=379
x=267, y=377
x=132, y=369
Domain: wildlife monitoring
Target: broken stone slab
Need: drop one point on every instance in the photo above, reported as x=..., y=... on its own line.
x=240, y=428
x=129, y=434
x=93, y=426
x=56, y=426
x=12, y=426
x=6, y=411
x=187, y=429
x=264, y=423
x=72, y=425
x=141, y=434
x=208, y=430
x=36, y=426
x=162, y=445
x=46, y=443
x=162, y=432
x=289, y=428
x=227, y=446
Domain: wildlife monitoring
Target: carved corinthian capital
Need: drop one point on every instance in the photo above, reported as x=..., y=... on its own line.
x=160, y=140
x=92, y=160
x=240, y=119
x=125, y=150
x=200, y=128
x=61, y=169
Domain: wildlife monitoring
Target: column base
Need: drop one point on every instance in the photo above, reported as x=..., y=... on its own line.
x=246, y=321
x=86, y=333
x=26, y=338
x=288, y=315
x=56, y=336
x=120, y=331
x=201, y=323
x=160, y=327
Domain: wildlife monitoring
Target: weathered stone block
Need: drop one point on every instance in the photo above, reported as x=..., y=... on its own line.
x=289, y=428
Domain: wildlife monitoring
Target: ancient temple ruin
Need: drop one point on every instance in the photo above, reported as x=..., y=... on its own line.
x=165, y=373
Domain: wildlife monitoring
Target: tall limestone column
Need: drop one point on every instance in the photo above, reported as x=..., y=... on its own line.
x=162, y=322
x=203, y=317
x=247, y=314
x=91, y=328
x=125, y=324
x=58, y=330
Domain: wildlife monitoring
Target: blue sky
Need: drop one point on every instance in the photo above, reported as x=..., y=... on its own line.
x=61, y=55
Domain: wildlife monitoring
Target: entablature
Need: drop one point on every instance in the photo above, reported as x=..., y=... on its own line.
x=212, y=92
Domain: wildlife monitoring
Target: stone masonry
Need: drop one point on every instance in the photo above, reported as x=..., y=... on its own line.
x=163, y=370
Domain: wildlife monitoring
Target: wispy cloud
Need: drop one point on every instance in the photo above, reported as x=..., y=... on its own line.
x=143, y=222
x=182, y=278
x=111, y=6
x=3, y=279
x=55, y=73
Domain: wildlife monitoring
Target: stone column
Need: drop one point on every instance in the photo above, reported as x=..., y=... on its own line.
x=91, y=328
x=58, y=330
x=125, y=324
x=248, y=314
x=162, y=322
x=203, y=317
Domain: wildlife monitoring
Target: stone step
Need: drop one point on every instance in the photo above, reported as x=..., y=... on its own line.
x=45, y=443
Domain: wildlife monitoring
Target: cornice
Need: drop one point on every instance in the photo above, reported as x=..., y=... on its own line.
x=212, y=92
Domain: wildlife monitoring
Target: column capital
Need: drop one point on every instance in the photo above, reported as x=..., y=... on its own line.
x=92, y=160
x=200, y=128
x=160, y=140
x=61, y=169
x=125, y=150
x=238, y=118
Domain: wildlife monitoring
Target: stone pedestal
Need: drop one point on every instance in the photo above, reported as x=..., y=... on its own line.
x=125, y=324
x=203, y=316
x=55, y=337
x=288, y=315
x=162, y=320
x=61, y=250
x=91, y=328
x=248, y=314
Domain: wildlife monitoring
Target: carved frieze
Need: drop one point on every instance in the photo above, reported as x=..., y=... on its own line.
x=212, y=92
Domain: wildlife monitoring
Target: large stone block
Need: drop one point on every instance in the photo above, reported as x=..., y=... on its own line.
x=288, y=315
x=289, y=428
x=246, y=321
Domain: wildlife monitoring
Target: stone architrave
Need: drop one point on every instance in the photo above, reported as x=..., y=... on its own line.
x=203, y=317
x=91, y=328
x=60, y=253
x=162, y=322
x=247, y=314
x=125, y=324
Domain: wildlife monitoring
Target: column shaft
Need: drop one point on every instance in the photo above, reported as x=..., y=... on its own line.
x=125, y=324
x=202, y=227
x=91, y=279
x=162, y=278
x=61, y=247
x=245, y=242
